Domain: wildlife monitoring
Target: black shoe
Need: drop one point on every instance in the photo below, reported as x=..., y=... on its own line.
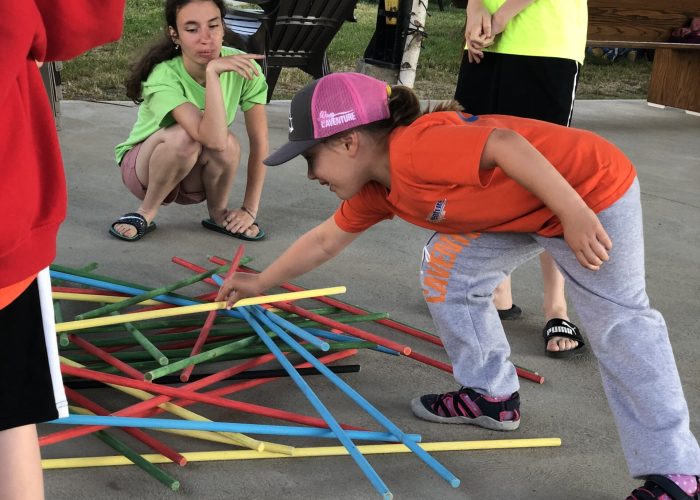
x=507, y=314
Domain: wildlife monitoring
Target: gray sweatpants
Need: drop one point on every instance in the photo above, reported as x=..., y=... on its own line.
x=630, y=340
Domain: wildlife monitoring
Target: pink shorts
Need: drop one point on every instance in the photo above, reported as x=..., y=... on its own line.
x=131, y=181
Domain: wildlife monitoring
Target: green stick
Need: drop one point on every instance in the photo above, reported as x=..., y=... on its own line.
x=198, y=358
x=86, y=274
x=58, y=318
x=222, y=330
x=118, y=306
x=145, y=343
x=249, y=352
x=194, y=320
x=141, y=462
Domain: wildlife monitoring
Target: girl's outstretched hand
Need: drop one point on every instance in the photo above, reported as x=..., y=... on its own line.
x=586, y=237
x=240, y=63
x=239, y=286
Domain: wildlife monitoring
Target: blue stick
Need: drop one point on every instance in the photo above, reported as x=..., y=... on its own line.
x=299, y=332
x=313, y=399
x=126, y=289
x=367, y=406
x=190, y=425
x=347, y=338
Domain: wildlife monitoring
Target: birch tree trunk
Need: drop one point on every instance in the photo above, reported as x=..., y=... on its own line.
x=411, y=51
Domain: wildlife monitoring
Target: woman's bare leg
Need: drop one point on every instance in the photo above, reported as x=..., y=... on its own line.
x=554, y=301
x=214, y=174
x=165, y=159
x=502, y=295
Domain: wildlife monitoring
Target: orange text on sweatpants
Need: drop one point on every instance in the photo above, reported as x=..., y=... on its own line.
x=439, y=264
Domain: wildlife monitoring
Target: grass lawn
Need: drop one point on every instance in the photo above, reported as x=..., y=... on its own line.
x=100, y=73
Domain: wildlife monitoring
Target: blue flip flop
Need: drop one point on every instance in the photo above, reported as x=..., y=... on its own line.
x=213, y=226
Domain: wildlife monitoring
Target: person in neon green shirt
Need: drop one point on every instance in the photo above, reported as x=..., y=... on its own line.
x=522, y=58
x=180, y=149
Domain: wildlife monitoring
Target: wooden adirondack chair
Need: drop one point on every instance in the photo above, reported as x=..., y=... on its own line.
x=294, y=33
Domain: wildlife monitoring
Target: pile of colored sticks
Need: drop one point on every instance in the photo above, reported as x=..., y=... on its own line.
x=132, y=344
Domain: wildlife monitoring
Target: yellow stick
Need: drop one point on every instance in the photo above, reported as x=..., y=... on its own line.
x=86, y=297
x=216, y=437
x=198, y=308
x=323, y=451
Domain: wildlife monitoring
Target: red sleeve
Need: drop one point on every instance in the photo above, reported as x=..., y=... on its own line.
x=363, y=210
x=75, y=26
x=52, y=30
x=447, y=154
x=18, y=26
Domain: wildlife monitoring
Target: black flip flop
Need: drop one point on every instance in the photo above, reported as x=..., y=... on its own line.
x=213, y=226
x=509, y=314
x=133, y=219
x=557, y=327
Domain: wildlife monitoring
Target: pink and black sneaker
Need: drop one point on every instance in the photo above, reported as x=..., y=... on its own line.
x=467, y=406
x=671, y=487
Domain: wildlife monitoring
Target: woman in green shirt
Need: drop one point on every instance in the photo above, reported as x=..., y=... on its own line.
x=180, y=149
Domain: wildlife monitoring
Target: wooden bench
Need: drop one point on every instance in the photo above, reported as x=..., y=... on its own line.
x=647, y=24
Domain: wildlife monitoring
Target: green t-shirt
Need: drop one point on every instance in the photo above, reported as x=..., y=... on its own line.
x=169, y=85
x=545, y=28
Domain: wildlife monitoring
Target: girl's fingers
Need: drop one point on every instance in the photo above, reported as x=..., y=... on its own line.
x=599, y=251
x=583, y=260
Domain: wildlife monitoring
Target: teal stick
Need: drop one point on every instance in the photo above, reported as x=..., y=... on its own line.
x=118, y=306
x=138, y=460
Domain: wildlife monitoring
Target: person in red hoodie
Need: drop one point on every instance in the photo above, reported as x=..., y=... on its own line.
x=33, y=204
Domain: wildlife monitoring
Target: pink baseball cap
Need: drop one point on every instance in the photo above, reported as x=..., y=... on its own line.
x=331, y=104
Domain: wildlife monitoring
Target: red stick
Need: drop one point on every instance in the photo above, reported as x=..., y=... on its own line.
x=448, y=368
x=88, y=291
x=204, y=333
x=195, y=396
x=356, y=332
x=155, y=444
x=350, y=308
x=240, y=386
x=188, y=265
x=142, y=407
x=106, y=357
x=522, y=372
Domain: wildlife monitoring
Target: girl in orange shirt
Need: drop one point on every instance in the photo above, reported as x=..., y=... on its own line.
x=519, y=187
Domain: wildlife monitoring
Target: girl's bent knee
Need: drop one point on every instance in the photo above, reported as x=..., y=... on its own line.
x=182, y=144
x=233, y=147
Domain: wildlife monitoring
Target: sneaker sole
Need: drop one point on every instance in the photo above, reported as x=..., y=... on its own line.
x=482, y=421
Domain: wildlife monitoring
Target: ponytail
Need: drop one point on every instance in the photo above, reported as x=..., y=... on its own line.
x=404, y=109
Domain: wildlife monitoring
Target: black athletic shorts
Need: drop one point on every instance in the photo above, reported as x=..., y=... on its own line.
x=542, y=88
x=26, y=388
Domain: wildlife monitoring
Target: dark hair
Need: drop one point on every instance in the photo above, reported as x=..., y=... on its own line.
x=164, y=48
x=404, y=109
